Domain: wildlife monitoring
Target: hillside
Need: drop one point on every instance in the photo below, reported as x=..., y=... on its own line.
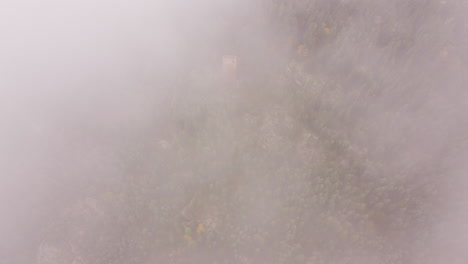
x=343, y=140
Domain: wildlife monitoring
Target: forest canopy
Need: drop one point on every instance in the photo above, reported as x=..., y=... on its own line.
x=341, y=140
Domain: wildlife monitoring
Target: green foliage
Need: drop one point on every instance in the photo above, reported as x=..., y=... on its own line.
x=288, y=169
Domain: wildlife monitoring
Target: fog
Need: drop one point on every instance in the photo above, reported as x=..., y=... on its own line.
x=343, y=137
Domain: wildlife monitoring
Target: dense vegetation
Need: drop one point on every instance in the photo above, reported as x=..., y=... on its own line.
x=337, y=145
